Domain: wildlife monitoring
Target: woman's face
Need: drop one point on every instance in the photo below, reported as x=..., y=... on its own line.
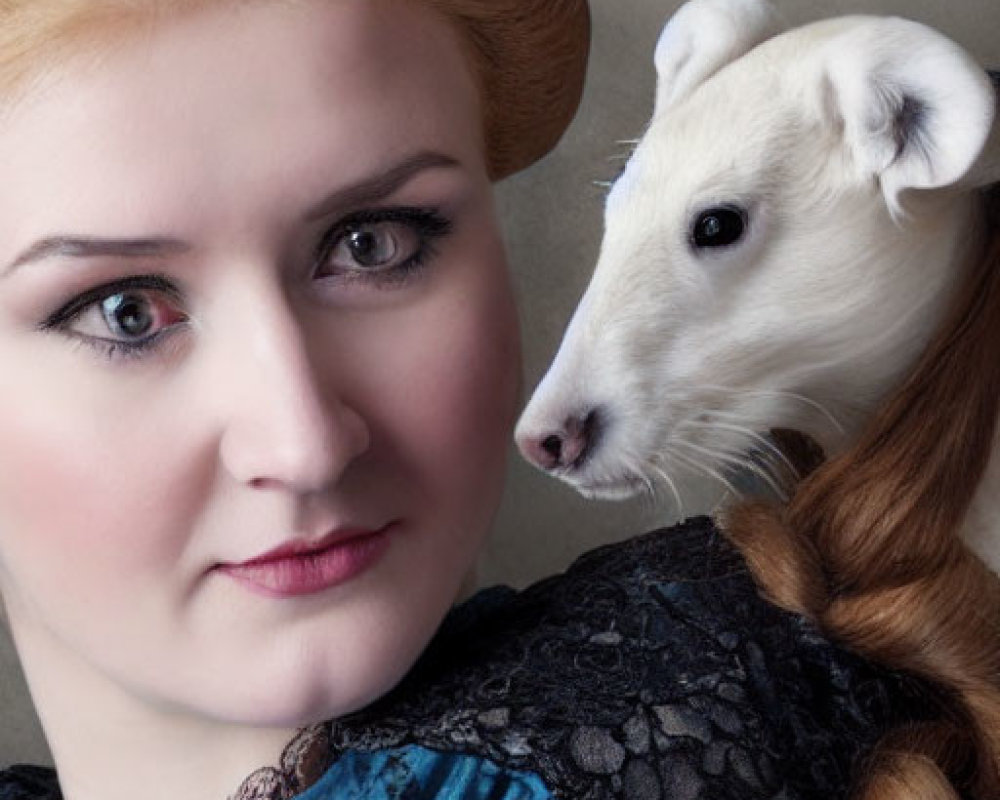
x=259, y=358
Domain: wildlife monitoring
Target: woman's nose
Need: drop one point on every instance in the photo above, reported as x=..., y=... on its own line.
x=287, y=423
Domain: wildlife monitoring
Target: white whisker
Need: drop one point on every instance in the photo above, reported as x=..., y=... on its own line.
x=781, y=393
x=661, y=472
x=741, y=463
x=770, y=448
x=707, y=470
x=651, y=493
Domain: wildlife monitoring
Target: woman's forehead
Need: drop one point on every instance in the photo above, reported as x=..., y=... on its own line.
x=332, y=41
x=232, y=102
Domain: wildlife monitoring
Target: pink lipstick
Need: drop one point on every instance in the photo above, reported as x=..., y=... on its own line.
x=300, y=568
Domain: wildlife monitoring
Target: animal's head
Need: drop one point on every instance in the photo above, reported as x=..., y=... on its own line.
x=778, y=249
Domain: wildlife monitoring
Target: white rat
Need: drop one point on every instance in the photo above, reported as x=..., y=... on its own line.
x=779, y=250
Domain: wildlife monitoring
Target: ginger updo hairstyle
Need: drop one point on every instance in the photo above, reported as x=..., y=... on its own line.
x=869, y=547
x=529, y=56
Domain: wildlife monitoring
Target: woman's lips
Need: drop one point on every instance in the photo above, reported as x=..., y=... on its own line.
x=301, y=568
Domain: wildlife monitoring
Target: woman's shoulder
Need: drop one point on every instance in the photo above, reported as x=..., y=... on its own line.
x=650, y=669
x=23, y=782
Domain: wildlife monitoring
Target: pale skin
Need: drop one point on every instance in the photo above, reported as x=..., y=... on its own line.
x=282, y=390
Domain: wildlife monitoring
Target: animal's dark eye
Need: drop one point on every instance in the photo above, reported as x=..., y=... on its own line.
x=719, y=227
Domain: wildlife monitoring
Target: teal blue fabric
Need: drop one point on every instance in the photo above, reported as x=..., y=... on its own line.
x=409, y=773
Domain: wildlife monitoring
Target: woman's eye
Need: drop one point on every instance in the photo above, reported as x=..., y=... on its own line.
x=380, y=245
x=719, y=227
x=375, y=246
x=126, y=317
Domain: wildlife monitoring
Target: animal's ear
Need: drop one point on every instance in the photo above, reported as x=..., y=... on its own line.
x=916, y=110
x=702, y=37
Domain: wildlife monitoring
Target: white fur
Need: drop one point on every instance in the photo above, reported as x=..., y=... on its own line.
x=854, y=245
x=701, y=38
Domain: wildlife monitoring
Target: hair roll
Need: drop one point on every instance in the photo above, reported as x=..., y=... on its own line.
x=869, y=547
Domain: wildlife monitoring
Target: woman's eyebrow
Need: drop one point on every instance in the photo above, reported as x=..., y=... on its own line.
x=91, y=246
x=370, y=190
x=382, y=185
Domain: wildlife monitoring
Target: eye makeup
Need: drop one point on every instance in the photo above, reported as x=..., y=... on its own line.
x=129, y=297
x=382, y=247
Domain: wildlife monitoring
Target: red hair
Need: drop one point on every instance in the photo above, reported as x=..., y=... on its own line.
x=869, y=547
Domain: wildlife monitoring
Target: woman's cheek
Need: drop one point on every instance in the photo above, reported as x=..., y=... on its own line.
x=471, y=377
x=82, y=495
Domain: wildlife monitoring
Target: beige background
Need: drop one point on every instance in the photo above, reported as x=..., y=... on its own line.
x=552, y=215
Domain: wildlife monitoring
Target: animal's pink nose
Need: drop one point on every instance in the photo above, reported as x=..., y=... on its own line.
x=568, y=446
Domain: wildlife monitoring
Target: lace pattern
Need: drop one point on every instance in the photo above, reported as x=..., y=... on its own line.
x=302, y=763
x=650, y=670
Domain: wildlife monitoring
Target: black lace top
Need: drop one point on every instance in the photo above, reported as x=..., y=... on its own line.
x=650, y=670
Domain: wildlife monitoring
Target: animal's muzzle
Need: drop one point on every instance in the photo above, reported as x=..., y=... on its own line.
x=566, y=448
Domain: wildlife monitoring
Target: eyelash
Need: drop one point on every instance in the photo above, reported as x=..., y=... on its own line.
x=114, y=349
x=427, y=223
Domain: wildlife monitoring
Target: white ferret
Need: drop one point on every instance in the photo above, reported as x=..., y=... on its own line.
x=779, y=250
